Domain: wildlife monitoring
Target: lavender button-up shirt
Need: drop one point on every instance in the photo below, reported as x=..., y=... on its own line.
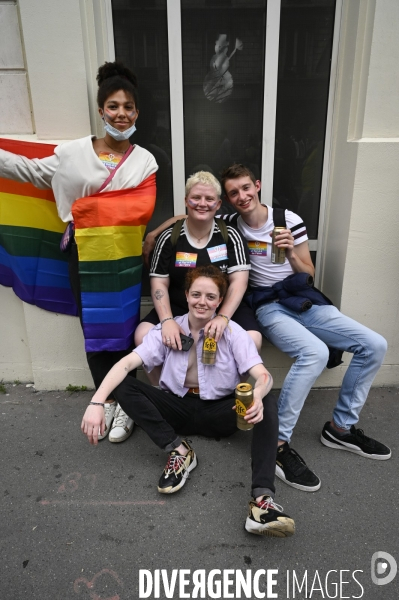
x=236, y=354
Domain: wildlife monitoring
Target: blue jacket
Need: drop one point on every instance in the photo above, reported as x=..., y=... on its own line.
x=297, y=293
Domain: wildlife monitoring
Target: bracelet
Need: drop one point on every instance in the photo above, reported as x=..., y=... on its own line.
x=224, y=317
x=97, y=404
x=167, y=319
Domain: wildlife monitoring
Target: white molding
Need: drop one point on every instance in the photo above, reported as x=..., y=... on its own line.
x=99, y=46
x=270, y=98
x=176, y=103
x=325, y=179
x=91, y=60
x=110, y=30
x=102, y=10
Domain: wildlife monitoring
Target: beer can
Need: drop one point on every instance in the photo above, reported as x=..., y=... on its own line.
x=278, y=254
x=209, y=351
x=244, y=399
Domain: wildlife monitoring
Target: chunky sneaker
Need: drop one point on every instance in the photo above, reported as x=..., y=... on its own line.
x=109, y=411
x=291, y=468
x=267, y=518
x=122, y=427
x=354, y=441
x=176, y=471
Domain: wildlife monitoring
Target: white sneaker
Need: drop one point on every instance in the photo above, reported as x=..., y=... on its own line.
x=109, y=411
x=122, y=427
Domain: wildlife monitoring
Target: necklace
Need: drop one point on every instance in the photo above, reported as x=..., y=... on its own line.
x=117, y=151
x=194, y=236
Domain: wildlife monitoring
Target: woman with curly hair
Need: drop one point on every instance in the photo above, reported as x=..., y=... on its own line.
x=104, y=189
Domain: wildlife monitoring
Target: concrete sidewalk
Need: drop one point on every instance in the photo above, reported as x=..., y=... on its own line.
x=80, y=522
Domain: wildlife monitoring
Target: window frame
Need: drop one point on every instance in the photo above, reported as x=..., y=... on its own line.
x=103, y=20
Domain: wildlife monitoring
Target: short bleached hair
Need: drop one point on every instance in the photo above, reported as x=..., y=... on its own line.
x=205, y=178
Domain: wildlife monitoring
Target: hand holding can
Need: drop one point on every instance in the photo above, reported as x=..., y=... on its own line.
x=278, y=254
x=209, y=351
x=244, y=400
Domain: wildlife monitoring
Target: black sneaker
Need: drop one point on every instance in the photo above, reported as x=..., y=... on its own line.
x=292, y=469
x=267, y=518
x=354, y=441
x=176, y=472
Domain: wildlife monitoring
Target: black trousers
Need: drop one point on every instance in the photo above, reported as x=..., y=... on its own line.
x=164, y=416
x=99, y=362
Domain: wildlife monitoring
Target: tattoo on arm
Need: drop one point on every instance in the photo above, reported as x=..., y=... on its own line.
x=159, y=294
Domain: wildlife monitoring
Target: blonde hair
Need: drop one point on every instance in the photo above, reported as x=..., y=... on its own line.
x=205, y=178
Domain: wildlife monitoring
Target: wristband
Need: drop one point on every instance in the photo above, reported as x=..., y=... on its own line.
x=97, y=404
x=167, y=319
x=224, y=317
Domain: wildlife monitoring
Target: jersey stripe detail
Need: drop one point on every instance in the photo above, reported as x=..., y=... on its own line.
x=236, y=240
x=299, y=231
x=230, y=218
x=299, y=226
x=164, y=236
x=238, y=245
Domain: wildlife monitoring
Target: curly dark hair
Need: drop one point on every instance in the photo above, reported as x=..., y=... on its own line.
x=210, y=271
x=112, y=77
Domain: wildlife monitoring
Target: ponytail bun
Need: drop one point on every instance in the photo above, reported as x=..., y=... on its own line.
x=115, y=69
x=114, y=76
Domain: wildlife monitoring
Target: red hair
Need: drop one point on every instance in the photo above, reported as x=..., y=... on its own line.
x=211, y=272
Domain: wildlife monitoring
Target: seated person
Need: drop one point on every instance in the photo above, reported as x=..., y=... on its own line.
x=304, y=336
x=200, y=243
x=195, y=398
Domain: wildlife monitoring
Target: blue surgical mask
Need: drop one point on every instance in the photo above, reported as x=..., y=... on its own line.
x=119, y=136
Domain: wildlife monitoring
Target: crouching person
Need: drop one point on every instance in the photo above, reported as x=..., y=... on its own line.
x=197, y=398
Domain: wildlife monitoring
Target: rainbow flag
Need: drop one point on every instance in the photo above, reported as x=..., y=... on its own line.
x=30, y=232
x=109, y=230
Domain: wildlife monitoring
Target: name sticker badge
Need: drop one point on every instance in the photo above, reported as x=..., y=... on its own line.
x=218, y=253
x=186, y=259
x=257, y=248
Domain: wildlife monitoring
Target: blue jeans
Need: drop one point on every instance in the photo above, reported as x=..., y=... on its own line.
x=305, y=337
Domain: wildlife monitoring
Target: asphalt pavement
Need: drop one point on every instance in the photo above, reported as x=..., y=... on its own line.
x=83, y=523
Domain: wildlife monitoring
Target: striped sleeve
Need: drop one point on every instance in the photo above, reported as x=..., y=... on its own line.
x=297, y=227
x=229, y=219
x=237, y=251
x=161, y=255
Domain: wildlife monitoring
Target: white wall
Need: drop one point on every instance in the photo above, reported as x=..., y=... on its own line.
x=15, y=356
x=360, y=270
x=382, y=107
x=36, y=345
x=15, y=113
x=52, y=36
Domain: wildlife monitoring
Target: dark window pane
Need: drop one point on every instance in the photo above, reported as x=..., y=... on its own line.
x=306, y=35
x=223, y=80
x=141, y=42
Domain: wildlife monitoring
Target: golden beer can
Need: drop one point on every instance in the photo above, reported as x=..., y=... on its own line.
x=244, y=399
x=278, y=254
x=209, y=351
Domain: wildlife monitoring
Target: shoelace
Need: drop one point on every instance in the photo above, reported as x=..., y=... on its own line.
x=107, y=408
x=268, y=502
x=175, y=462
x=292, y=458
x=362, y=438
x=120, y=418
